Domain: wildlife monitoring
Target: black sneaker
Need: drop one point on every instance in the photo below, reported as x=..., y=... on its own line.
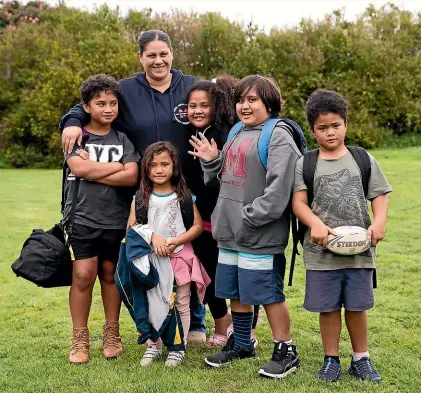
x=229, y=354
x=284, y=360
x=364, y=369
x=330, y=371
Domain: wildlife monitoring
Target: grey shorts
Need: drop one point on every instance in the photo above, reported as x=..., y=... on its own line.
x=330, y=290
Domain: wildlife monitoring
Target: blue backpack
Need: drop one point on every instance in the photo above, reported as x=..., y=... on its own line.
x=262, y=146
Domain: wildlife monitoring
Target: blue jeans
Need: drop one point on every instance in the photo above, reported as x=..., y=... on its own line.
x=197, y=313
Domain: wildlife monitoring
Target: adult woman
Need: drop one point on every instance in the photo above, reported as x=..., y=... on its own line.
x=150, y=110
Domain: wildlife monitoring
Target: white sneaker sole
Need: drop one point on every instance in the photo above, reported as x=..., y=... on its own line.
x=215, y=365
x=279, y=376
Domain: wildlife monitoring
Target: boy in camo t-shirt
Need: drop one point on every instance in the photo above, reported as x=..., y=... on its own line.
x=335, y=281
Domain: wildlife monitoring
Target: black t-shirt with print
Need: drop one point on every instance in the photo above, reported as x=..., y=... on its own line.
x=100, y=205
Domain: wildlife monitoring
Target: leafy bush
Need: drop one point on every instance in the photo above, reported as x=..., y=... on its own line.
x=46, y=53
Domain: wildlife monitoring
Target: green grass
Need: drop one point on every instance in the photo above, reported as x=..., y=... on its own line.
x=35, y=324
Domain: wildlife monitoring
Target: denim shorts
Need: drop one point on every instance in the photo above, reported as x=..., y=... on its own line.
x=330, y=290
x=253, y=279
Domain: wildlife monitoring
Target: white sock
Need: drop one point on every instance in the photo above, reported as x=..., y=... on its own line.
x=288, y=342
x=359, y=355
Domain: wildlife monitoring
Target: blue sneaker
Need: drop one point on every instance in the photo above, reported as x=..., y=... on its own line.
x=330, y=371
x=364, y=369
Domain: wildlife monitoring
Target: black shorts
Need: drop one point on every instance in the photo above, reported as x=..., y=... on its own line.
x=87, y=242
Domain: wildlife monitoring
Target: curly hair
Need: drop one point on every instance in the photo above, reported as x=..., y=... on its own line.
x=177, y=180
x=266, y=88
x=95, y=84
x=322, y=102
x=221, y=94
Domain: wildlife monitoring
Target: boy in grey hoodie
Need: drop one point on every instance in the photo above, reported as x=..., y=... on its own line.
x=251, y=223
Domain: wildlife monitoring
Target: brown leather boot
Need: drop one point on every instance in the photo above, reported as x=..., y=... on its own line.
x=111, y=341
x=79, y=351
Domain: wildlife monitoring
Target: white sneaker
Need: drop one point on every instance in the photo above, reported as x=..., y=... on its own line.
x=175, y=358
x=150, y=355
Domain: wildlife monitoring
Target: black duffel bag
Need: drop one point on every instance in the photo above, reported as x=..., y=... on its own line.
x=45, y=257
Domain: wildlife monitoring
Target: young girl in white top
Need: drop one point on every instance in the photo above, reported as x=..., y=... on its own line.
x=164, y=194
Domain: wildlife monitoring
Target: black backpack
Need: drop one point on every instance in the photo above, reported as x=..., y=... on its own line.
x=362, y=159
x=186, y=207
x=45, y=257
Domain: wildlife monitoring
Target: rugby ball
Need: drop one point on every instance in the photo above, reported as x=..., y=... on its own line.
x=349, y=240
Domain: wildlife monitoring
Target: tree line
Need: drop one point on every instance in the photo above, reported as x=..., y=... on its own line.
x=46, y=52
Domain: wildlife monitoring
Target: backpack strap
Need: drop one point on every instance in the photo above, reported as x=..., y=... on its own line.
x=363, y=161
x=309, y=168
x=298, y=228
x=236, y=128
x=187, y=212
x=264, y=140
x=140, y=210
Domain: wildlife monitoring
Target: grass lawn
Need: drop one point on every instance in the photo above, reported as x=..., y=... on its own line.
x=35, y=323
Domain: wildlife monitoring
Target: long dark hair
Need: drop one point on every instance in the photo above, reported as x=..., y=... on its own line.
x=222, y=97
x=177, y=180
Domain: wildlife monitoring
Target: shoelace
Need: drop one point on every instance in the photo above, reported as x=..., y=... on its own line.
x=110, y=336
x=329, y=367
x=364, y=367
x=177, y=356
x=152, y=352
x=230, y=343
x=282, y=353
x=81, y=343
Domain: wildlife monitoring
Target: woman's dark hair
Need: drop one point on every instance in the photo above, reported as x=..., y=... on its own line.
x=177, y=180
x=266, y=88
x=221, y=94
x=322, y=102
x=95, y=84
x=152, y=35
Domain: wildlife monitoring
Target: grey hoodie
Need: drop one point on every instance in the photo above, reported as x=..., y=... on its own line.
x=252, y=213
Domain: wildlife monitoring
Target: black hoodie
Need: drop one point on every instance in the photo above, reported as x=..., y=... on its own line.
x=145, y=114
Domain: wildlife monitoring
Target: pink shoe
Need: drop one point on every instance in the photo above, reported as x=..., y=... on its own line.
x=217, y=340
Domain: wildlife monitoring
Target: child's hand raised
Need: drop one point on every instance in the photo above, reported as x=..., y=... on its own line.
x=159, y=245
x=203, y=149
x=319, y=234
